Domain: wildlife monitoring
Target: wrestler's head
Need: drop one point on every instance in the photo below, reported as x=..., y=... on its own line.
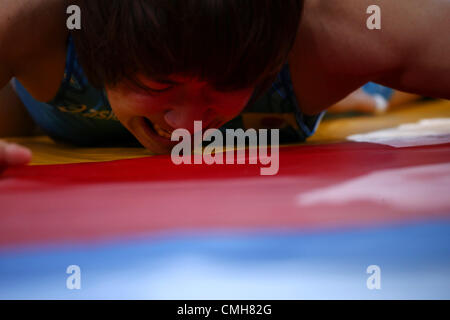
x=165, y=63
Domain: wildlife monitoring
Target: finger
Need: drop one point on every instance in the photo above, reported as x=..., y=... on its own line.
x=2, y=156
x=12, y=154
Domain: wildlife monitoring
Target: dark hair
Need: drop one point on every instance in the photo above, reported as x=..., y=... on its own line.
x=229, y=43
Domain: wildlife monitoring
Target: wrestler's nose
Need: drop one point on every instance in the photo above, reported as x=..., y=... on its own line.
x=182, y=117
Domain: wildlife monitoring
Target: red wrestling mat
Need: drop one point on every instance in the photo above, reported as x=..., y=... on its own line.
x=324, y=185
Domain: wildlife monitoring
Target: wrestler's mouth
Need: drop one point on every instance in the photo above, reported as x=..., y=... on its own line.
x=153, y=136
x=154, y=129
x=165, y=133
x=162, y=136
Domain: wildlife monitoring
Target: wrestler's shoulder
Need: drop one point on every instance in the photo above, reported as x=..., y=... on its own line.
x=33, y=37
x=30, y=28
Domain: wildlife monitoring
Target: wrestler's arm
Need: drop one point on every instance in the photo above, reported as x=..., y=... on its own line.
x=360, y=101
x=423, y=28
x=19, y=52
x=15, y=120
x=335, y=53
x=13, y=117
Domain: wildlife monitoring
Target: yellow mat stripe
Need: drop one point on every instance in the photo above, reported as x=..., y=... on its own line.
x=46, y=151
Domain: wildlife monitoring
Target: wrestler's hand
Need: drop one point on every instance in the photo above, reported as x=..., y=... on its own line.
x=359, y=101
x=12, y=154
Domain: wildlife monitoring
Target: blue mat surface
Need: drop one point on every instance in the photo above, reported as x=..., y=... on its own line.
x=414, y=260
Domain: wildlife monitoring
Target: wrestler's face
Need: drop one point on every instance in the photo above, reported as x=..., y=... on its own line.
x=152, y=114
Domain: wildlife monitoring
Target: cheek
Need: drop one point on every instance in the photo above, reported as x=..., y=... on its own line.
x=233, y=104
x=118, y=103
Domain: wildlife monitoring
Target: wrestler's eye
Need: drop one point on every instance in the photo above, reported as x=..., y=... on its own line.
x=153, y=89
x=159, y=90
